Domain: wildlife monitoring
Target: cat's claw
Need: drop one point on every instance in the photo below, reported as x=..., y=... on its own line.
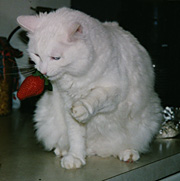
x=80, y=112
x=59, y=152
x=129, y=155
x=70, y=162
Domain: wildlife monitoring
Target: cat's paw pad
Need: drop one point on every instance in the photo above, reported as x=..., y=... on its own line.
x=70, y=162
x=59, y=152
x=80, y=112
x=129, y=155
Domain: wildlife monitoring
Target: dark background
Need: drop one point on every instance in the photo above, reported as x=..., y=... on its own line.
x=156, y=24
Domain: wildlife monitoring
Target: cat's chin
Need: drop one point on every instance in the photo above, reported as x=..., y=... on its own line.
x=53, y=78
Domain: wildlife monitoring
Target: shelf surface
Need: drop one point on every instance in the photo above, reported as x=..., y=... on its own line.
x=22, y=158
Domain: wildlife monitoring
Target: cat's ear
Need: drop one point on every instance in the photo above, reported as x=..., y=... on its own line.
x=28, y=23
x=75, y=32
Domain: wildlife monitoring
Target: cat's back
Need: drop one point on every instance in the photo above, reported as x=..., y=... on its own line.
x=127, y=47
x=119, y=33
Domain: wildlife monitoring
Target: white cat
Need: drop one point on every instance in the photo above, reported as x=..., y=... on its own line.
x=103, y=100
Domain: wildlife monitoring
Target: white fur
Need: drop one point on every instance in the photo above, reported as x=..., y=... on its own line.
x=103, y=100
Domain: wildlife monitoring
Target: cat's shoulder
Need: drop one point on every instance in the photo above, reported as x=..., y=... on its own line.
x=113, y=23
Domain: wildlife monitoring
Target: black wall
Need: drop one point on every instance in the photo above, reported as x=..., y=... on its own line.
x=157, y=26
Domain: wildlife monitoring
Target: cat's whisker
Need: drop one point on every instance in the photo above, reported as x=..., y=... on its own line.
x=11, y=74
x=27, y=71
x=24, y=72
x=23, y=66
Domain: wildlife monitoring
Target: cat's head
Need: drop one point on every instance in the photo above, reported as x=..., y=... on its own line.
x=58, y=43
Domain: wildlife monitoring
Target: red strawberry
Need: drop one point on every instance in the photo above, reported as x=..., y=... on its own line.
x=31, y=86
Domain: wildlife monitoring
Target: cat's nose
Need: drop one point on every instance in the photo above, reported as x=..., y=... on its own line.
x=45, y=74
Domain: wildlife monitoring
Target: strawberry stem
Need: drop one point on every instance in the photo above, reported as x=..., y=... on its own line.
x=47, y=82
x=37, y=73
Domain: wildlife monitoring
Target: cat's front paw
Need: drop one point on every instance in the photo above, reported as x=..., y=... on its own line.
x=70, y=162
x=80, y=112
x=129, y=155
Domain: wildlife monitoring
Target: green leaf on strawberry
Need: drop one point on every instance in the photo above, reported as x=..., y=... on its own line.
x=47, y=83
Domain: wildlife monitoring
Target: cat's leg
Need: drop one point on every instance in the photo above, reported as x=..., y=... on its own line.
x=99, y=100
x=142, y=128
x=50, y=124
x=75, y=158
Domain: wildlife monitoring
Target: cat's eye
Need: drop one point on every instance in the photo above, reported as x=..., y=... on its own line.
x=55, y=58
x=36, y=54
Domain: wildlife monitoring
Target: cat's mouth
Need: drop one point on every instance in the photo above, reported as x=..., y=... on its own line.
x=52, y=77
